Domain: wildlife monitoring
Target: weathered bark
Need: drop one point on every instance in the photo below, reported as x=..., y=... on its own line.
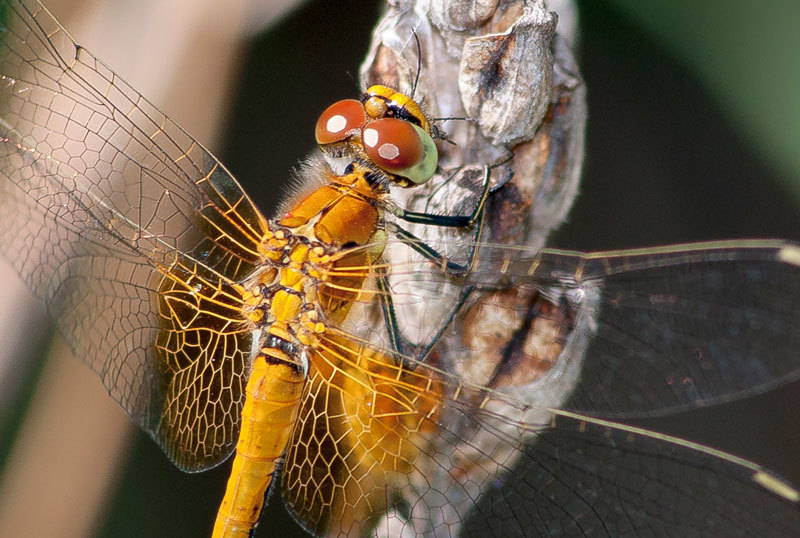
x=508, y=71
x=507, y=67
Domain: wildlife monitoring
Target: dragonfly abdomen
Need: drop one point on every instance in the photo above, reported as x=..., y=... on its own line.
x=270, y=411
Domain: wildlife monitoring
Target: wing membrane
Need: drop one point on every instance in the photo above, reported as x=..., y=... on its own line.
x=582, y=478
x=667, y=328
x=102, y=196
x=383, y=450
x=687, y=327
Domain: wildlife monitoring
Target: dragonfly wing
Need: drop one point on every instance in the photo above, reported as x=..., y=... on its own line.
x=101, y=198
x=385, y=451
x=666, y=329
x=680, y=328
x=583, y=478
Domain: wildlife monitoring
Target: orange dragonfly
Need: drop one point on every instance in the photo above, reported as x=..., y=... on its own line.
x=156, y=265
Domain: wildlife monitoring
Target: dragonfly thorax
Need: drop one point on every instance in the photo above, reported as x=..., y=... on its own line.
x=314, y=262
x=280, y=299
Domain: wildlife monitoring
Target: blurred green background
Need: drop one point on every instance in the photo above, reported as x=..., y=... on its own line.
x=692, y=116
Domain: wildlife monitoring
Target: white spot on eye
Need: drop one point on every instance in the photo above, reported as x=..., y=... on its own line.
x=336, y=123
x=370, y=137
x=388, y=151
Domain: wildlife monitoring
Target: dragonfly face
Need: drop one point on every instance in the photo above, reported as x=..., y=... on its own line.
x=426, y=445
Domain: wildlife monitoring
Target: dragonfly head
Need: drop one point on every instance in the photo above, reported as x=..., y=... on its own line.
x=386, y=130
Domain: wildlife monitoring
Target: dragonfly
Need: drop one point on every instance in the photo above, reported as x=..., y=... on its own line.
x=454, y=423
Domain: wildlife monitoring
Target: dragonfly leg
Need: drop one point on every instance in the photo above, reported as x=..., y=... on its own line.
x=448, y=221
x=453, y=221
x=400, y=345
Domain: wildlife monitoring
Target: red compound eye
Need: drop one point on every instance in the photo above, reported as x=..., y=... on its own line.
x=339, y=121
x=392, y=144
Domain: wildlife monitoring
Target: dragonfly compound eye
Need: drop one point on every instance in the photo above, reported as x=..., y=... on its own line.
x=340, y=121
x=400, y=148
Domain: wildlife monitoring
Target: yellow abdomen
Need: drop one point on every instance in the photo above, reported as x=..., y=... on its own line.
x=270, y=411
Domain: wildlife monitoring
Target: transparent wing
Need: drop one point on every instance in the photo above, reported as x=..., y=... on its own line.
x=495, y=432
x=583, y=478
x=104, y=201
x=682, y=326
x=384, y=450
x=664, y=329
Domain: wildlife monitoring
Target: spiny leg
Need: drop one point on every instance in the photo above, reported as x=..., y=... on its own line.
x=399, y=344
